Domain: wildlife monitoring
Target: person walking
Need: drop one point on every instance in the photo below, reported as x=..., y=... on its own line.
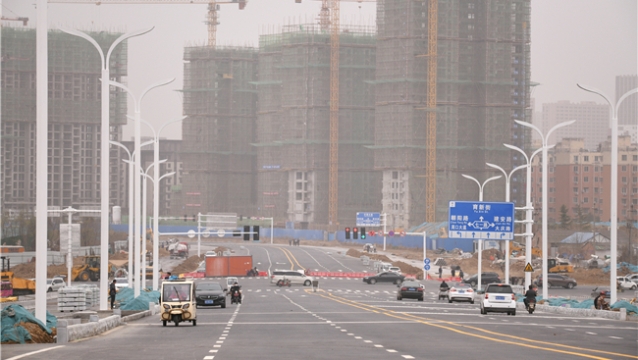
x=461, y=274
x=112, y=292
x=440, y=272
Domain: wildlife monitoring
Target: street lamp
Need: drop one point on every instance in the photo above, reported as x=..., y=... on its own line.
x=613, y=112
x=528, y=208
x=545, y=147
x=138, y=101
x=104, y=153
x=507, y=199
x=480, y=241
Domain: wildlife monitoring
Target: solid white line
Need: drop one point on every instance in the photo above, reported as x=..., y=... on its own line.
x=408, y=356
x=34, y=352
x=209, y=357
x=616, y=337
x=590, y=333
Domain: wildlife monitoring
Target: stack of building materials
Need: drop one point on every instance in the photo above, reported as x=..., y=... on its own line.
x=72, y=298
x=92, y=294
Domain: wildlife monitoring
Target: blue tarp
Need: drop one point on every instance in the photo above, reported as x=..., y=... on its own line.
x=632, y=268
x=128, y=302
x=13, y=315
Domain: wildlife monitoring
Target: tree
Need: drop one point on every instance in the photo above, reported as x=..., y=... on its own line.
x=581, y=219
x=565, y=220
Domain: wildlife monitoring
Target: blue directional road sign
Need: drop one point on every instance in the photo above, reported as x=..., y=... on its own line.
x=481, y=220
x=427, y=267
x=426, y=261
x=368, y=219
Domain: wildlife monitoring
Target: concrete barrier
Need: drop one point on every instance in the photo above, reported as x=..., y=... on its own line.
x=81, y=331
x=613, y=315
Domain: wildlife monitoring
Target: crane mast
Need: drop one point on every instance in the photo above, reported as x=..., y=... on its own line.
x=430, y=162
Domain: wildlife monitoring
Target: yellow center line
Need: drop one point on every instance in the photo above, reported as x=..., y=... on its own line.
x=292, y=259
x=425, y=321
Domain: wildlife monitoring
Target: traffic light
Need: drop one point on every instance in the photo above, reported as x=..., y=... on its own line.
x=363, y=233
x=255, y=233
x=246, y=233
x=347, y=233
x=355, y=232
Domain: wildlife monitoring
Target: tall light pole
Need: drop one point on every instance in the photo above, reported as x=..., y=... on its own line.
x=105, y=175
x=156, y=181
x=155, y=165
x=613, y=112
x=507, y=199
x=529, y=208
x=136, y=172
x=545, y=147
x=480, y=241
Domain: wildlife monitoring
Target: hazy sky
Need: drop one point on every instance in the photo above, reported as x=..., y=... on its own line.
x=573, y=41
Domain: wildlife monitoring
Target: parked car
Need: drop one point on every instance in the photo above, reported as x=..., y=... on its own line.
x=55, y=284
x=461, y=292
x=295, y=277
x=410, y=289
x=386, y=277
x=210, y=293
x=486, y=278
x=625, y=283
x=557, y=280
x=499, y=298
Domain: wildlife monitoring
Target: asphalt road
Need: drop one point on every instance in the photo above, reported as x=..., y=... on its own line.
x=346, y=318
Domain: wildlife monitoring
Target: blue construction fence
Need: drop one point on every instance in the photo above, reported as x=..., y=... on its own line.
x=409, y=241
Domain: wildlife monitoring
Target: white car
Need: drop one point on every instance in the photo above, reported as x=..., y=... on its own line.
x=210, y=253
x=295, y=277
x=625, y=283
x=461, y=292
x=499, y=298
x=55, y=284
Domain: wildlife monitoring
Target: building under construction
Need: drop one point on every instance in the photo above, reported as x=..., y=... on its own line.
x=482, y=83
x=74, y=120
x=219, y=162
x=257, y=141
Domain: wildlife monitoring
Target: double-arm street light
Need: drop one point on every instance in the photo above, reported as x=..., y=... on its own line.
x=545, y=191
x=104, y=153
x=613, y=112
x=480, y=242
x=507, y=199
x=138, y=167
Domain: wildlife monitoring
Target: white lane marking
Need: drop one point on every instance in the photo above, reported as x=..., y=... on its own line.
x=408, y=356
x=217, y=346
x=209, y=357
x=616, y=337
x=219, y=342
x=350, y=334
x=590, y=333
x=367, y=341
x=390, y=350
x=569, y=329
x=34, y=352
x=377, y=345
x=213, y=351
x=358, y=337
x=343, y=330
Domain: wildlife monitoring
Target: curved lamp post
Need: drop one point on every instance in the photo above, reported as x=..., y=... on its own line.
x=507, y=199
x=104, y=153
x=138, y=101
x=545, y=139
x=613, y=112
x=480, y=242
x=154, y=165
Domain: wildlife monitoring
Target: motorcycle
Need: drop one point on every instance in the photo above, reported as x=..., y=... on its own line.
x=531, y=306
x=235, y=297
x=283, y=282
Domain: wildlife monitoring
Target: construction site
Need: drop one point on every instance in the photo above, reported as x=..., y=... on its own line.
x=326, y=120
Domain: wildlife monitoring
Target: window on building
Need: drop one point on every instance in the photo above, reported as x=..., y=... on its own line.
x=624, y=191
x=635, y=167
x=586, y=168
x=576, y=179
x=586, y=158
x=576, y=168
x=575, y=189
x=586, y=179
x=634, y=190
x=635, y=157
x=624, y=179
x=634, y=201
x=575, y=200
x=623, y=168
x=586, y=190
x=595, y=190
x=623, y=201
x=575, y=158
x=623, y=157
x=635, y=179
x=585, y=200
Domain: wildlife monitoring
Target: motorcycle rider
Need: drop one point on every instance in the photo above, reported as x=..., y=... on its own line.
x=600, y=302
x=530, y=295
x=234, y=288
x=444, y=286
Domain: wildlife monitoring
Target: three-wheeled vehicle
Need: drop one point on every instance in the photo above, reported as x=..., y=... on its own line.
x=177, y=302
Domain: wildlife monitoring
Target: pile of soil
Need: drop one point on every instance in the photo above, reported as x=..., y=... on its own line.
x=38, y=335
x=188, y=265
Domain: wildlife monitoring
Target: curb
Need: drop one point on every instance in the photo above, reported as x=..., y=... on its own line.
x=68, y=332
x=612, y=315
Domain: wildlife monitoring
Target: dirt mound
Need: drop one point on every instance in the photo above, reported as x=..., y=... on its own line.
x=188, y=265
x=373, y=257
x=119, y=256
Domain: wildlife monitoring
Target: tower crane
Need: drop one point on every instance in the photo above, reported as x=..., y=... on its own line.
x=213, y=20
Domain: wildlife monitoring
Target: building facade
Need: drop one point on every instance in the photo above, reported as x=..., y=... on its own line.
x=592, y=122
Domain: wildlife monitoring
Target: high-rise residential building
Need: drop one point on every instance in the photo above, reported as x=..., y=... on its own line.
x=482, y=86
x=628, y=110
x=579, y=179
x=592, y=122
x=74, y=120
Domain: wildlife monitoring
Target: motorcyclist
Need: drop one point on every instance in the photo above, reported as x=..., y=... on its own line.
x=530, y=295
x=600, y=302
x=234, y=288
x=444, y=286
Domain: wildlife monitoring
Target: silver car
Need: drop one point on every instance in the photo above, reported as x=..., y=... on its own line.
x=55, y=284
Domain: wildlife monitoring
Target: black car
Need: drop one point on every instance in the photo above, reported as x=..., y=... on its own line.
x=388, y=277
x=210, y=293
x=410, y=289
x=486, y=278
x=557, y=280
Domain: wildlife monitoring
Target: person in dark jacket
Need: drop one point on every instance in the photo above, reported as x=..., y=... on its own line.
x=530, y=295
x=112, y=292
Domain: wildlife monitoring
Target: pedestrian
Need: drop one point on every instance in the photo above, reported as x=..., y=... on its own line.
x=440, y=272
x=453, y=271
x=461, y=273
x=112, y=292
x=168, y=275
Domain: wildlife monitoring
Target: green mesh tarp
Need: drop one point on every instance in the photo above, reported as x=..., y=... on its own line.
x=128, y=302
x=11, y=318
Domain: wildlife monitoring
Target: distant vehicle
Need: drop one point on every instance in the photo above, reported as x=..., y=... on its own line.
x=230, y=281
x=210, y=253
x=625, y=283
x=633, y=277
x=461, y=292
x=55, y=284
x=210, y=293
x=295, y=277
x=410, y=289
x=557, y=280
x=499, y=298
x=559, y=265
x=395, y=269
x=177, y=302
x=384, y=277
x=121, y=283
x=486, y=278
